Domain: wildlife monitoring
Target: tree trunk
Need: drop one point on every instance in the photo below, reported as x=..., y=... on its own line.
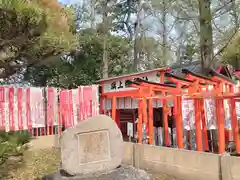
x=105, y=56
x=164, y=33
x=206, y=39
x=93, y=14
x=136, y=60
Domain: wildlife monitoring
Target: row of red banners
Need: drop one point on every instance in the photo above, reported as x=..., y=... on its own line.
x=27, y=108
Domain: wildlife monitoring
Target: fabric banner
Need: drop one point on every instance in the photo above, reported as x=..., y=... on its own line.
x=37, y=105
x=188, y=114
x=27, y=108
x=2, y=108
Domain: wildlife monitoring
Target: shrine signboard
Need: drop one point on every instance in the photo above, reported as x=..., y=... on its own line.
x=119, y=84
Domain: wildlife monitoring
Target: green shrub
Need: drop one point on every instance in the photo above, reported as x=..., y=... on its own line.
x=19, y=137
x=12, y=143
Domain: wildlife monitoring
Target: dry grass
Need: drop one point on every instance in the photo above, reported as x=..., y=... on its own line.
x=36, y=163
x=31, y=166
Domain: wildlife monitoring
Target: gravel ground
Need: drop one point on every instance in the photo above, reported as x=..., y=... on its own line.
x=121, y=173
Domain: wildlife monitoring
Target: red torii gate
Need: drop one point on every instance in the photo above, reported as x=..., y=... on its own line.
x=191, y=86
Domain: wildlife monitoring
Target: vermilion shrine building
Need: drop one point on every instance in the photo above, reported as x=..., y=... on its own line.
x=155, y=93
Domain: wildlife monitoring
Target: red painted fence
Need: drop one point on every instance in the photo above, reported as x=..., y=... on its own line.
x=46, y=110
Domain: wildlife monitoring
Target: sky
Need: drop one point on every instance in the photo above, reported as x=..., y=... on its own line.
x=70, y=1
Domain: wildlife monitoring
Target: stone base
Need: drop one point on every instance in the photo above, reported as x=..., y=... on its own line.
x=121, y=173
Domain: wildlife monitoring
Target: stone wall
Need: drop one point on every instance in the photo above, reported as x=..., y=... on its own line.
x=183, y=164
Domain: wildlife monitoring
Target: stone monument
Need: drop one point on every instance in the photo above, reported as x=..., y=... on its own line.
x=94, y=145
x=93, y=150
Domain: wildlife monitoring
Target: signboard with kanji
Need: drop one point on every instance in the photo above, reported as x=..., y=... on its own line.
x=119, y=84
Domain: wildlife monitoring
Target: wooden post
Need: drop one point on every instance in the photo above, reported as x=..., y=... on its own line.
x=220, y=122
x=181, y=146
x=144, y=113
x=118, y=118
x=101, y=109
x=114, y=103
x=189, y=140
x=139, y=125
x=235, y=125
x=150, y=123
x=204, y=125
x=198, y=125
x=178, y=120
x=234, y=122
x=162, y=77
x=165, y=123
x=144, y=110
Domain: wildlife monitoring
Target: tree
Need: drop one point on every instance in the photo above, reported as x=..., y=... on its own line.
x=231, y=54
x=85, y=65
x=33, y=32
x=213, y=23
x=161, y=9
x=206, y=36
x=105, y=9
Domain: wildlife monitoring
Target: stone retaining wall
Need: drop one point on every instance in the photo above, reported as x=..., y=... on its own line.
x=183, y=164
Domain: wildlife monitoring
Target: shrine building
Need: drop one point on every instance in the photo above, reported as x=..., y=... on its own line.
x=116, y=94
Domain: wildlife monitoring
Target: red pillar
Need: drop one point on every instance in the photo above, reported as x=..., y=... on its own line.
x=197, y=111
x=114, y=102
x=234, y=122
x=165, y=123
x=150, y=123
x=178, y=119
x=220, y=122
x=204, y=125
x=139, y=125
x=235, y=125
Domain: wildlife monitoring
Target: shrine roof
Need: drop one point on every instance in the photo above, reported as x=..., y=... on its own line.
x=133, y=74
x=176, y=70
x=196, y=67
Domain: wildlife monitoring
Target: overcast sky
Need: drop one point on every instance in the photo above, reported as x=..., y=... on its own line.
x=70, y=1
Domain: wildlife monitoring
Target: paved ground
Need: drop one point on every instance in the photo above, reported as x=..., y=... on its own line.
x=44, y=142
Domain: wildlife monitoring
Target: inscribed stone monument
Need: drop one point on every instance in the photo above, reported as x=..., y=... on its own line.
x=93, y=145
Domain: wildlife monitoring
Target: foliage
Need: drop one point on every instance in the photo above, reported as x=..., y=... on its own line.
x=232, y=52
x=11, y=143
x=32, y=31
x=149, y=34
x=85, y=65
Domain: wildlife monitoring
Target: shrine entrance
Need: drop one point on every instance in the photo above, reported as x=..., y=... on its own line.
x=118, y=90
x=159, y=94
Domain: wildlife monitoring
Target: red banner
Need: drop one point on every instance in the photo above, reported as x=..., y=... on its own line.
x=70, y=109
x=87, y=102
x=2, y=110
x=50, y=110
x=11, y=108
x=19, y=104
x=28, y=109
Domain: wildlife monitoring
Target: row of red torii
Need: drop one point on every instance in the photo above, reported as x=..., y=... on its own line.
x=175, y=88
